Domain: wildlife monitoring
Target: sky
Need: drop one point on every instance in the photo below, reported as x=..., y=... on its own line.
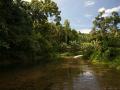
x=81, y=13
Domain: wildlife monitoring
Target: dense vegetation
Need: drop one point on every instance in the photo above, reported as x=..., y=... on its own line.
x=104, y=43
x=31, y=32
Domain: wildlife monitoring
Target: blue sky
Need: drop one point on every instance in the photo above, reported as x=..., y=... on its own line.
x=80, y=13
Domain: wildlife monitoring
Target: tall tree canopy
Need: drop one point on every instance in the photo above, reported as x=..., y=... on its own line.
x=27, y=34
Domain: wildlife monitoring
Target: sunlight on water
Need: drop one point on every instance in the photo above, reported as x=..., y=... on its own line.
x=86, y=80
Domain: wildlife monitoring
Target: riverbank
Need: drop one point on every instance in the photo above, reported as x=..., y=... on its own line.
x=115, y=64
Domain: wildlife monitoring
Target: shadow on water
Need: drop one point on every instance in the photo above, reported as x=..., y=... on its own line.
x=71, y=74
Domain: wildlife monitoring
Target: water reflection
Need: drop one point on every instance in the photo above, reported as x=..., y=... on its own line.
x=86, y=80
x=72, y=74
x=109, y=78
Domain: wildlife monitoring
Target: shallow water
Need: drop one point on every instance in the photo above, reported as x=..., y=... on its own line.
x=71, y=74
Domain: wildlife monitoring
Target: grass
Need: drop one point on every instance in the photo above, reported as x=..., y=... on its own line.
x=111, y=64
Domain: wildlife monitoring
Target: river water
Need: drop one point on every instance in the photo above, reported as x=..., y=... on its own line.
x=70, y=74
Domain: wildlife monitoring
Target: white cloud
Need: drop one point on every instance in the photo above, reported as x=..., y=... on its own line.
x=101, y=9
x=88, y=15
x=85, y=30
x=89, y=3
x=108, y=12
x=116, y=9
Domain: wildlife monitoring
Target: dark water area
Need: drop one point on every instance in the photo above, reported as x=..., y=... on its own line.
x=71, y=74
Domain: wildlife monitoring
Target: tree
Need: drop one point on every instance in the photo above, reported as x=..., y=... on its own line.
x=105, y=34
x=67, y=29
x=24, y=30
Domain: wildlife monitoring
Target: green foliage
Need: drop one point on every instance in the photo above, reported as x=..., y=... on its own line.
x=27, y=36
x=106, y=39
x=87, y=49
x=22, y=39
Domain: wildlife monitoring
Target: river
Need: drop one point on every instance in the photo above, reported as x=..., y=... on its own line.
x=70, y=74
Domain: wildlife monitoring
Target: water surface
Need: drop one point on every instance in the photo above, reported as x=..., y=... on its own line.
x=71, y=74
